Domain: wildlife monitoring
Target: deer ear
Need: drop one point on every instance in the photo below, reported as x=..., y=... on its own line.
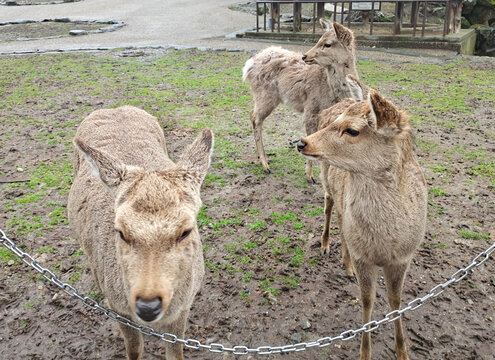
x=197, y=157
x=387, y=118
x=325, y=24
x=344, y=35
x=106, y=168
x=355, y=87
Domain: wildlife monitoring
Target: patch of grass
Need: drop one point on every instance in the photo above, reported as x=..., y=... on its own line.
x=58, y=217
x=77, y=253
x=298, y=226
x=247, y=276
x=226, y=222
x=6, y=255
x=284, y=218
x=257, y=225
x=23, y=226
x=290, y=281
x=215, y=180
x=244, y=295
x=436, y=191
x=203, y=218
x=473, y=235
x=483, y=170
x=297, y=260
x=45, y=249
x=75, y=277
x=313, y=211
x=250, y=245
x=28, y=304
x=266, y=285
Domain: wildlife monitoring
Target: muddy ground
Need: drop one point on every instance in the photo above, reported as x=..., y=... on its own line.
x=265, y=282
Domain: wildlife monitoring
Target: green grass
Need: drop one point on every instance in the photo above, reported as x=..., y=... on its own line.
x=6, y=255
x=473, y=235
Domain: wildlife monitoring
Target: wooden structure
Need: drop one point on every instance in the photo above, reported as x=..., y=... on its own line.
x=319, y=11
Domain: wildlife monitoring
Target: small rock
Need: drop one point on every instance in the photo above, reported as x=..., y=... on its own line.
x=64, y=19
x=78, y=32
x=10, y=262
x=19, y=169
x=297, y=337
x=306, y=325
x=470, y=302
x=11, y=3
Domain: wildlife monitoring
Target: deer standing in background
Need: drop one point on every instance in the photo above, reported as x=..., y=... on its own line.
x=372, y=178
x=134, y=212
x=308, y=83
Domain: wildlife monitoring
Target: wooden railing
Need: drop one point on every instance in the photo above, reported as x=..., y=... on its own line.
x=319, y=11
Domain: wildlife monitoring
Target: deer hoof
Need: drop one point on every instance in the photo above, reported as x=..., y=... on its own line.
x=311, y=181
x=350, y=272
x=268, y=171
x=325, y=251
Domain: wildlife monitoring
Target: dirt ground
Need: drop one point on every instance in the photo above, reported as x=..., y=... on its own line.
x=265, y=283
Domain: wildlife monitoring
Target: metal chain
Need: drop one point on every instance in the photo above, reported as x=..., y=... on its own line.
x=243, y=350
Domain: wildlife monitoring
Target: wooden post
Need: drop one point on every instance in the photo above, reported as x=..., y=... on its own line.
x=320, y=10
x=274, y=14
x=297, y=17
x=399, y=12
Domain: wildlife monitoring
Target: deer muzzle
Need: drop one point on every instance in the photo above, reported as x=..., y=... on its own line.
x=148, y=309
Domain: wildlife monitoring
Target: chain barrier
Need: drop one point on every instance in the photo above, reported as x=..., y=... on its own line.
x=239, y=349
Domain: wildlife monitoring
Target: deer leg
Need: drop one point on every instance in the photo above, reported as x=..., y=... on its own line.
x=133, y=342
x=367, y=275
x=311, y=125
x=325, y=246
x=394, y=280
x=346, y=257
x=262, y=108
x=175, y=351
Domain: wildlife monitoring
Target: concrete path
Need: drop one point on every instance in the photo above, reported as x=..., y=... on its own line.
x=148, y=22
x=198, y=23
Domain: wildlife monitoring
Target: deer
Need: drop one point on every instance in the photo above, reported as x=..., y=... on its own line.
x=134, y=213
x=372, y=178
x=308, y=83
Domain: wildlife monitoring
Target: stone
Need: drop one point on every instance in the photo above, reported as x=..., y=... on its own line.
x=21, y=21
x=10, y=262
x=297, y=337
x=306, y=325
x=64, y=20
x=485, y=41
x=78, y=32
x=11, y=3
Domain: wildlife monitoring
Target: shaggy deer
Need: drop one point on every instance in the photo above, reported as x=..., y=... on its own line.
x=372, y=177
x=281, y=76
x=134, y=212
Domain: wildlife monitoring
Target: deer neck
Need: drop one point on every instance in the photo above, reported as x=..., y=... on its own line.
x=336, y=74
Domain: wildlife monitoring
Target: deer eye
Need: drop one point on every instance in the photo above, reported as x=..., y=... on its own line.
x=122, y=237
x=351, y=132
x=185, y=234
x=328, y=45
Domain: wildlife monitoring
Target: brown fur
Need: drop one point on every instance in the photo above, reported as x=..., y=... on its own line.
x=281, y=76
x=379, y=193
x=126, y=184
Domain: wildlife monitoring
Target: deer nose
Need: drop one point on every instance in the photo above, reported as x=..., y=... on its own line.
x=304, y=57
x=148, y=310
x=301, y=145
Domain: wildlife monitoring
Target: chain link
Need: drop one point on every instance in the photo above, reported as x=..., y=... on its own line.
x=244, y=350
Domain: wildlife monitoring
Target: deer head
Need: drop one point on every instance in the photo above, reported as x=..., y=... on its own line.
x=362, y=138
x=336, y=46
x=156, y=234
